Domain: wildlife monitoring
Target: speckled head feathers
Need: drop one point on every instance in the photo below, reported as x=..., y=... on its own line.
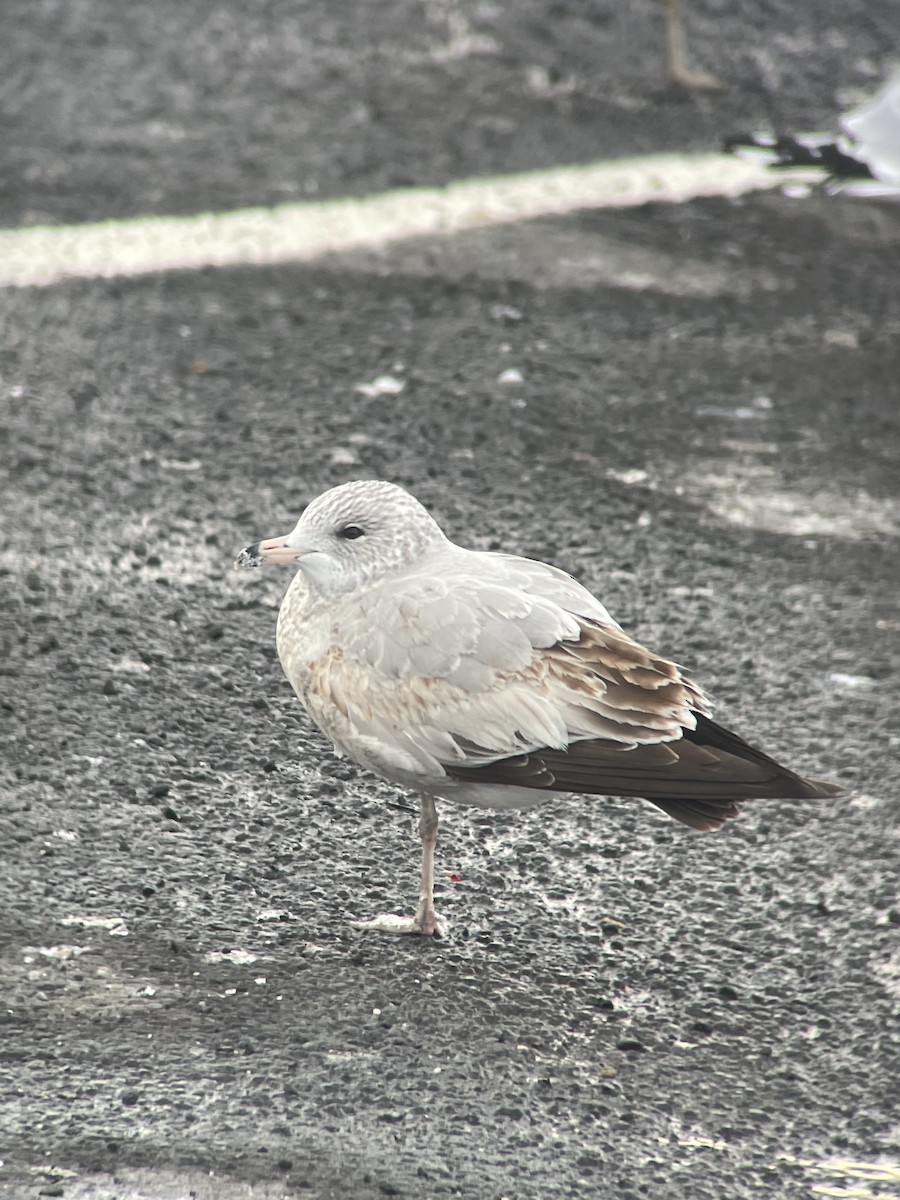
x=358, y=532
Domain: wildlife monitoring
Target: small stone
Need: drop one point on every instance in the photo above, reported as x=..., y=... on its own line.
x=589, y=1159
x=382, y=385
x=510, y=375
x=632, y=1045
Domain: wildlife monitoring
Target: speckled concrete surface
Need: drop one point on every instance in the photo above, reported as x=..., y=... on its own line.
x=623, y=1009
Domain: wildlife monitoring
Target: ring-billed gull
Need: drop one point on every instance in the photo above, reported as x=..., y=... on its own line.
x=489, y=679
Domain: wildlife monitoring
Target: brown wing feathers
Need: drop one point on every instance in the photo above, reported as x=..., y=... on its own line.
x=699, y=778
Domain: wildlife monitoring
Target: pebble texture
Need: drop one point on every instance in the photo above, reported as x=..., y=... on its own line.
x=623, y=1009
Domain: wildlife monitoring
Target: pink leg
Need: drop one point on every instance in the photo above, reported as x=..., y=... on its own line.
x=426, y=921
x=426, y=918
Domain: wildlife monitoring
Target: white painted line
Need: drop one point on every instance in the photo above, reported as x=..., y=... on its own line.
x=303, y=231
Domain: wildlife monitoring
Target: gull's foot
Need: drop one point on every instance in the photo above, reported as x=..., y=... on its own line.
x=427, y=923
x=697, y=81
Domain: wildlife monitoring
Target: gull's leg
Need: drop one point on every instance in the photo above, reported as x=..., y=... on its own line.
x=426, y=920
x=676, y=53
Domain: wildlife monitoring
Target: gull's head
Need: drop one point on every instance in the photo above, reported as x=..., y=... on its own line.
x=352, y=536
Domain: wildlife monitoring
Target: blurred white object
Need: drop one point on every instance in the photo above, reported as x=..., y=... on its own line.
x=863, y=161
x=874, y=130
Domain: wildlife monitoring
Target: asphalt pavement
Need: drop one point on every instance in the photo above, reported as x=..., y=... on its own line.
x=695, y=408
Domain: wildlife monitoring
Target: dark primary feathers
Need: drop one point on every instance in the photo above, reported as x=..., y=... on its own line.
x=700, y=780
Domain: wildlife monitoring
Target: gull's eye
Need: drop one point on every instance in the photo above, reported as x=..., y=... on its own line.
x=350, y=532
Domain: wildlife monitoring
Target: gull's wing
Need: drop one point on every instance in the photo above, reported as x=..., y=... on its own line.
x=485, y=658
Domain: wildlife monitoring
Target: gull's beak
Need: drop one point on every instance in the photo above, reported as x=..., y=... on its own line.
x=274, y=550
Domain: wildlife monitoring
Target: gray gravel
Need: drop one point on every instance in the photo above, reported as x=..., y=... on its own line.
x=622, y=1009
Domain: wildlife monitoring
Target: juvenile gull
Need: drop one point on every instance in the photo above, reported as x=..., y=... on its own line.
x=489, y=679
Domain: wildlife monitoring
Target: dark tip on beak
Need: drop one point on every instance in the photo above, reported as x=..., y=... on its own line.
x=250, y=556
